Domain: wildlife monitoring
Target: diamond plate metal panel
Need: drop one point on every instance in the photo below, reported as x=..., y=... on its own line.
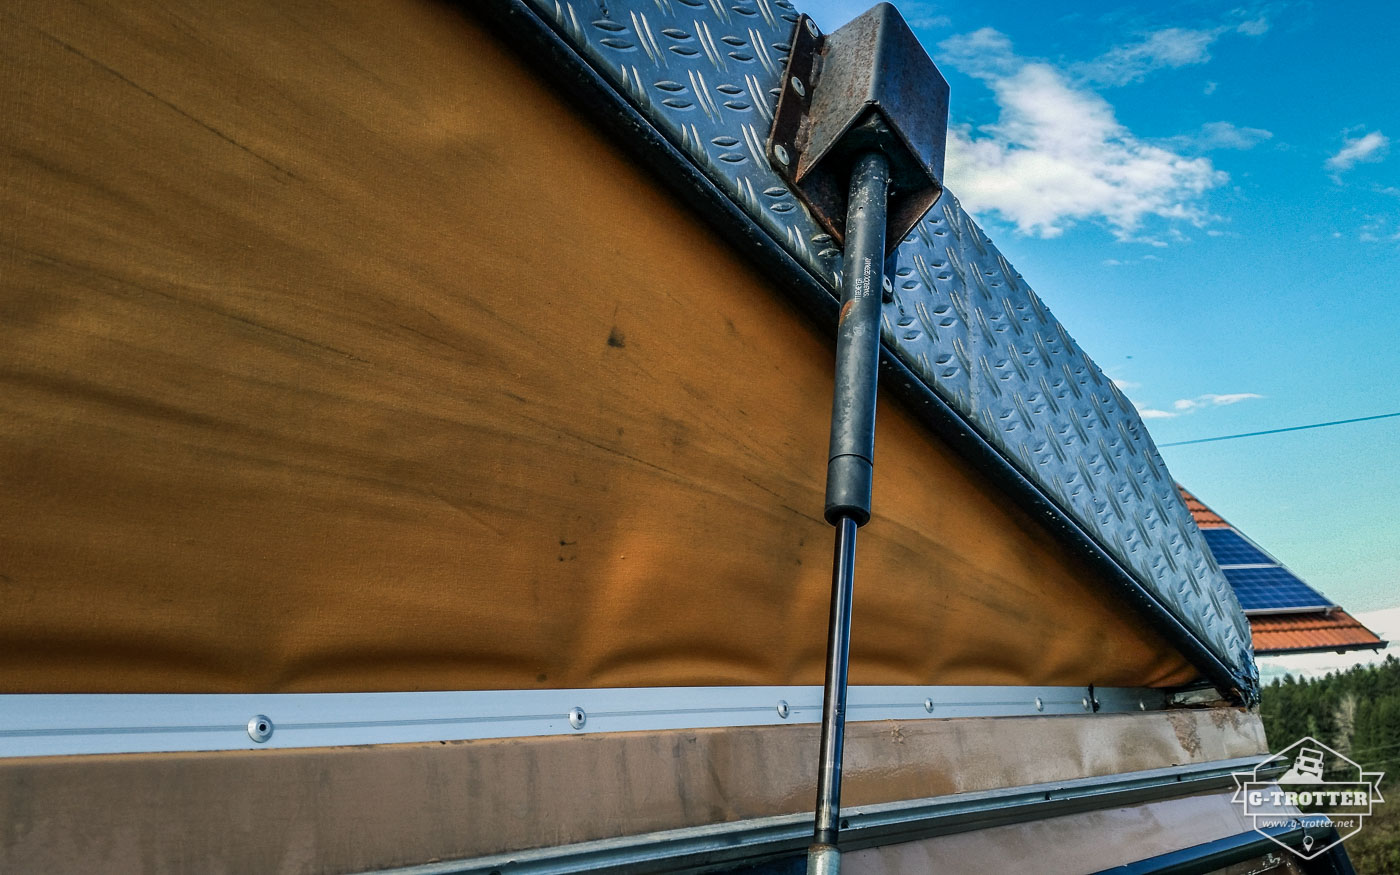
x=705, y=73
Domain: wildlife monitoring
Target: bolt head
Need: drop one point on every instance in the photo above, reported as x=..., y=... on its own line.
x=781, y=154
x=928, y=705
x=783, y=709
x=812, y=28
x=260, y=728
x=798, y=86
x=577, y=718
x=1039, y=705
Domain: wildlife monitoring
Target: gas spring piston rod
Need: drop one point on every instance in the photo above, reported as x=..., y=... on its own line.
x=849, y=471
x=858, y=132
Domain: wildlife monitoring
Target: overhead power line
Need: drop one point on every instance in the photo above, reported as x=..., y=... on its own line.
x=1230, y=437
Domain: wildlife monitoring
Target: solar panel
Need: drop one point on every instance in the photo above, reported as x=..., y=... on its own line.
x=1230, y=548
x=1260, y=589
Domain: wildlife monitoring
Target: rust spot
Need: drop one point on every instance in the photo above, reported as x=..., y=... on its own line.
x=1187, y=733
x=845, y=311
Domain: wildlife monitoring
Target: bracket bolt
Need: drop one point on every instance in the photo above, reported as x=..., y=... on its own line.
x=577, y=718
x=1085, y=701
x=812, y=28
x=798, y=86
x=781, y=154
x=1039, y=705
x=783, y=709
x=928, y=705
x=260, y=728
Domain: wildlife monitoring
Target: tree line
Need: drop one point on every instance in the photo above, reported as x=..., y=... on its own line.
x=1356, y=712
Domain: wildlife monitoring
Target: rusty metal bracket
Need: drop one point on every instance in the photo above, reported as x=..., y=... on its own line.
x=869, y=86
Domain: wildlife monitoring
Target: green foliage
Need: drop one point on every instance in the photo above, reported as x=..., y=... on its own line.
x=1357, y=712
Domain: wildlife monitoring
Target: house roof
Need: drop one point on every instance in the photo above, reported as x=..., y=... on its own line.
x=1272, y=595
x=1303, y=633
x=1205, y=517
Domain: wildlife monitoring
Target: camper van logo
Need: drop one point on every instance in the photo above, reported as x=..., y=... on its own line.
x=1319, y=790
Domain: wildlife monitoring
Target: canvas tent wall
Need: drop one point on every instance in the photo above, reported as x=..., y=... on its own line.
x=323, y=382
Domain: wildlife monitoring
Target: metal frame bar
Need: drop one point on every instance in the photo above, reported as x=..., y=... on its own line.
x=1212, y=856
x=768, y=838
x=57, y=724
x=1260, y=612
x=549, y=53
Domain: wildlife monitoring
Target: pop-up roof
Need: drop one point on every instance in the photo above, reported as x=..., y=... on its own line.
x=965, y=333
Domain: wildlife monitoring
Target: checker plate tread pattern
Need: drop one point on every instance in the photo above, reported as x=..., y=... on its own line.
x=705, y=73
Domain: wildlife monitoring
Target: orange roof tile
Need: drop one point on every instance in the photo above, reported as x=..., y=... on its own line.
x=1205, y=517
x=1299, y=633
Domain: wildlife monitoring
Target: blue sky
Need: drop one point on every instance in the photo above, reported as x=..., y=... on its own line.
x=1208, y=196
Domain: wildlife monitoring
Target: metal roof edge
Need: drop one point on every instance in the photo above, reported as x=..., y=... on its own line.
x=1178, y=589
x=1377, y=646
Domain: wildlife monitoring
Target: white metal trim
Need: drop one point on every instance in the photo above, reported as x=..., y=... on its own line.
x=1269, y=612
x=64, y=724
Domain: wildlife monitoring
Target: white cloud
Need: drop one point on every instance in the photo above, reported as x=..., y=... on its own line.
x=1219, y=400
x=1165, y=48
x=1057, y=154
x=1183, y=406
x=982, y=53
x=1126, y=385
x=1367, y=148
x=1224, y=135
x=1188, y=404
x=1379, y=228
x=1255, y=27
x=1210, y=88
x=922, y=17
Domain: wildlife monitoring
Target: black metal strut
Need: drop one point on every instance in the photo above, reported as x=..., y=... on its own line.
x=859, y=132
x=850, y=468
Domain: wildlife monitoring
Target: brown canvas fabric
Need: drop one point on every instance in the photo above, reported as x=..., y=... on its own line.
x=338, y=353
